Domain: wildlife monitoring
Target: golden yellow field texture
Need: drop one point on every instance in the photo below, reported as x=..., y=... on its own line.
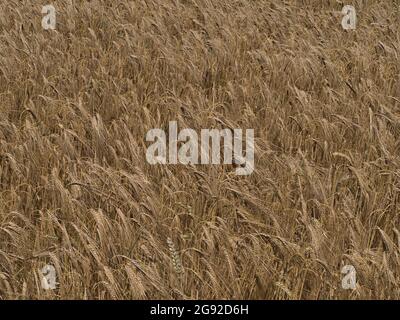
x=77, y=193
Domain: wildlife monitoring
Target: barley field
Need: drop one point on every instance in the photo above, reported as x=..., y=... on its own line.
x=77, y=193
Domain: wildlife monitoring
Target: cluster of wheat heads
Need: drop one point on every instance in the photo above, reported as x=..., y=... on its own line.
x=77, y=193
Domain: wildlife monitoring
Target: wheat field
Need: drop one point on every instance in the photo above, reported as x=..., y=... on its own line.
x=77, y=193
